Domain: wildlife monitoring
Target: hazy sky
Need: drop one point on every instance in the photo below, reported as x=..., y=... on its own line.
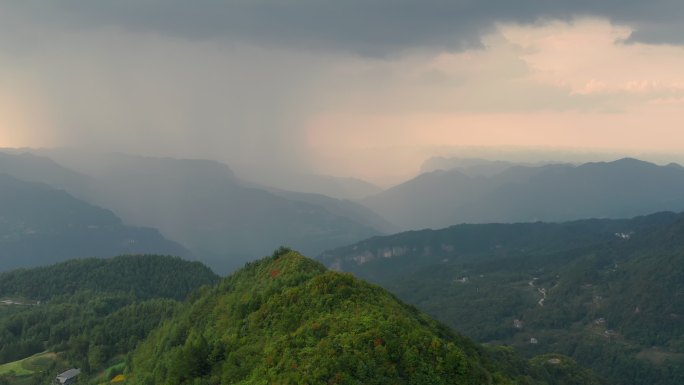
x=367, y=88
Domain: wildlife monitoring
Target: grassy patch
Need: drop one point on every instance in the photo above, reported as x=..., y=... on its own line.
x=14, y=368
x=39, y=362
x=30, y=365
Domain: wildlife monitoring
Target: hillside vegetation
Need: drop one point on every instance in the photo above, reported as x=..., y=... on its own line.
x=144, y=276
x=609, y=293
x=92, y=310
x=286, y=320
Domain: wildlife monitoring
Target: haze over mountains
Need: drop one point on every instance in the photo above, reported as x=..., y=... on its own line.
x=568, y=286
x=618, y=189
x=225, y=220
x=41, y=225
x=203, y=205
x=474, y=166
x=335, y=187
x=502, y=166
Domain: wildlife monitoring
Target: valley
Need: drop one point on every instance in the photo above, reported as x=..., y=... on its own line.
x=356, y=192
x=199, y=204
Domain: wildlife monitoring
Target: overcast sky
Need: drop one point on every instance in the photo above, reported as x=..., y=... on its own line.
x=366, y=88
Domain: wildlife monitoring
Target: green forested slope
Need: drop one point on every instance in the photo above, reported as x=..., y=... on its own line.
x=286, y=320
x=609, y=293
x=145, y=276
x=92, y=310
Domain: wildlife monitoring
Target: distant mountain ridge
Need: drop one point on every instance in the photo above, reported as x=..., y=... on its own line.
x=475, y=166
x=201, y=204
x=34, y=168
x=618, y=189
x=41, y=225
x=205, y=207
x=332, y=186
x=341, y=207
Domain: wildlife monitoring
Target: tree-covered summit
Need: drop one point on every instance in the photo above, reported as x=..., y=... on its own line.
x=285, y=319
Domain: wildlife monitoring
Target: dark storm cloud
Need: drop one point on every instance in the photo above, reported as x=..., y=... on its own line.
x=372, y=27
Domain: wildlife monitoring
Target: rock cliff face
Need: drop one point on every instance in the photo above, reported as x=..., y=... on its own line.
x=365, y=256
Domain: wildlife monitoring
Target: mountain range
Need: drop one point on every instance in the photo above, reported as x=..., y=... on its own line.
x=205, y=207
x=474, y=166
x=201, y=204
x=226, y=220
x=346, y=188
x=560, y=192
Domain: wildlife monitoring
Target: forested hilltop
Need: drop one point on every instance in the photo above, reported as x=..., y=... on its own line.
x=287, y=320
x=609, y=293
x=89, y=313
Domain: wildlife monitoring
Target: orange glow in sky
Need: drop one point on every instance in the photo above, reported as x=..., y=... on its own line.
x=557, y=85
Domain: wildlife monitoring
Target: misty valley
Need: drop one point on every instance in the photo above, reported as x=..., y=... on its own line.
x=140, y=270
x=351, y=192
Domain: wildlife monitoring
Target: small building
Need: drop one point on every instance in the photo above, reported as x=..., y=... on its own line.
x=518, y=324
x=534, y=341
x=68, y=377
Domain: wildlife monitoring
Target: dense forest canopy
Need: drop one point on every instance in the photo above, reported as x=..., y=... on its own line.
x=144, y=276
x=606, y=292
x=92, y=310
x=285, y=319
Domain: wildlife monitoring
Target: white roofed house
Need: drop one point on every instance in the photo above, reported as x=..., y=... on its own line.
x=68, y=377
